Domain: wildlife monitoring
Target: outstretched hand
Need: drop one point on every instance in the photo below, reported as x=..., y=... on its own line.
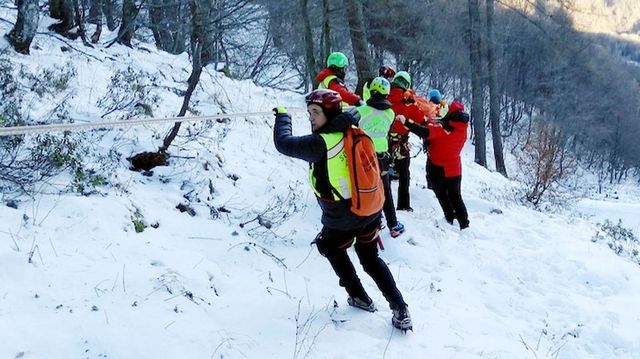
x=280, y=110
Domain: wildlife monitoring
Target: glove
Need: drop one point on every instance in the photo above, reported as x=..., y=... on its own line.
x=346, y=119
x=280, y=110
x=355, y=114
x=446, y=126
x=408, y=97
x=384, y=158
x=408, y=101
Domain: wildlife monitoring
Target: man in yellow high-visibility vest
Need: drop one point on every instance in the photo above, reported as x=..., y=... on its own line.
x=330, y=180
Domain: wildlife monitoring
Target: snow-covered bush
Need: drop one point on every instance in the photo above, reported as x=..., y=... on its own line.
x=24, y=159
x=49, y=81
x=620, y=239
x=130, y=94
x=546, y=164
x=10, y=104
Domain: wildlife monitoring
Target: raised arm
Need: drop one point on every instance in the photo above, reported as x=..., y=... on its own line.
x=310, y=148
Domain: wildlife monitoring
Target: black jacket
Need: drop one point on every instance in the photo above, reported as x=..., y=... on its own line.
x=311, y=148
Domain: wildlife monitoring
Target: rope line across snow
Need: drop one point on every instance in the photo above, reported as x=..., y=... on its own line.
x=56, y=127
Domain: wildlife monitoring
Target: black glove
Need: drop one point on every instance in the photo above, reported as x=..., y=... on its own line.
x=385, y=159
x=408, y=100
x=446, y=126
x=355, y=114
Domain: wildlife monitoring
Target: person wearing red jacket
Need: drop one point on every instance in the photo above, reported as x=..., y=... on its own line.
x=446, y=139
x=399, y=136
x=433, y=111
x=332, y=78
x=385, y=71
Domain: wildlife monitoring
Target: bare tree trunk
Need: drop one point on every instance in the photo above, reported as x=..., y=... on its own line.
x=158, y=22
x=108, y=7
x=55, y=9
x=95, y=12
x=192, y=82
x=200, y=57
x=79, y=20
x=167, y=25
x=22, y=34
x=358, y=42
x=308, y=45
x=326, y=34
x=477, y=104
x=95, y=17
x=128, y=25
x=494, y=104
x=65, y=12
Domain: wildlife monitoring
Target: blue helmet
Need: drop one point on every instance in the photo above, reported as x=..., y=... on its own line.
x=435, y=96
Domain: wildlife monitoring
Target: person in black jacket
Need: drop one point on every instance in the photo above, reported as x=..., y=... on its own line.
x=324, y=150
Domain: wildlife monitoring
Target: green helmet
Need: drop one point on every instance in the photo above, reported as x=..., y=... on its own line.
x=402, y=79
x=380, y=85
x=337, y=59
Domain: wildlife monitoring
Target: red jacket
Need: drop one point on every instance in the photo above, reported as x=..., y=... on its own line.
x=337, y=85
x=445, y=146
x=410, y=111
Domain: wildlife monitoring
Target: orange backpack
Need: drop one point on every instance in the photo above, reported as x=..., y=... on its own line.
x=367, y=193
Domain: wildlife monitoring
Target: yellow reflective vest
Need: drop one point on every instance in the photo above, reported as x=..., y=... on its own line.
x=366, y=93
x=337, y=169
x=376, y=123
x=324, y=84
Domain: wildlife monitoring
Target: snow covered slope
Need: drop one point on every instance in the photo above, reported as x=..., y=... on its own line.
x=77, y=281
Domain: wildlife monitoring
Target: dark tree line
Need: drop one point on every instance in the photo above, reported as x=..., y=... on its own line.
x=511, y=64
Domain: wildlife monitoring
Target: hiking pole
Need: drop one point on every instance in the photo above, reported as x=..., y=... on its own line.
x=57, y=127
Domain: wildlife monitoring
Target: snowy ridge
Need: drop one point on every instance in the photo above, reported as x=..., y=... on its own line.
x=77, y=281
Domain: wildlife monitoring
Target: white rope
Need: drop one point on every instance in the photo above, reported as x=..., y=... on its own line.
x=56, y=127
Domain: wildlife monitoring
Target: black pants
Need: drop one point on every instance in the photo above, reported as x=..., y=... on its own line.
x=447, y=191
x=388, y=208
x=425, y=147
x=333, y=244
x=426, y=170
x=402, y=168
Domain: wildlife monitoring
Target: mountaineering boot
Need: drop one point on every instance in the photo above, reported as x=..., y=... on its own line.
x=464, y=224
x=364, y=304
x=401, y=318
x=397, y=230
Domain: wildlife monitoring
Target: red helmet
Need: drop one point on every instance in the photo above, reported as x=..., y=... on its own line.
x=327, y=99
x=386, y=71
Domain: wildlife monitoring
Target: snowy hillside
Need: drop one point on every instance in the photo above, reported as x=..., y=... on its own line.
x=620, y=18
x=78, y=281
x=608, y=16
